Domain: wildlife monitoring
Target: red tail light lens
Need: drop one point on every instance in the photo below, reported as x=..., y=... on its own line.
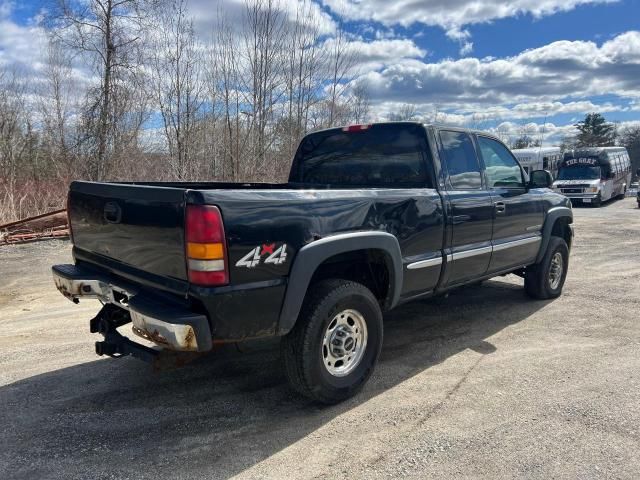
x=205, y=246
x=204, y=224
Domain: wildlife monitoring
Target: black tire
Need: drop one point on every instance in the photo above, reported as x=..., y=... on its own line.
x=597, y=202
x=302, y=349
x=537, y=279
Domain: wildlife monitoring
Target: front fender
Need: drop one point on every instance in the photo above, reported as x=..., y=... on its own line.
x=313, y=254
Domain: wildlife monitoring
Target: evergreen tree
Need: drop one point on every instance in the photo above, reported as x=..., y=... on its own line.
x=595, y=131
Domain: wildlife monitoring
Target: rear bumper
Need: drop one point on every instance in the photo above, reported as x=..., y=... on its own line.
x=156, y=319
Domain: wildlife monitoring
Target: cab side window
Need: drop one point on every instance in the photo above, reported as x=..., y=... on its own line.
x=459, y=157
x=502, y=169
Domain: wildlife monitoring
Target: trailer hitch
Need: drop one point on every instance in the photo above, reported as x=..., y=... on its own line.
x=116, y=345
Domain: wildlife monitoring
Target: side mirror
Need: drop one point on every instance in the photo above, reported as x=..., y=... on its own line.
x=540, y=179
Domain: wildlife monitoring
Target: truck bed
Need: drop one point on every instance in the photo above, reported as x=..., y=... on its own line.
x=148, y=237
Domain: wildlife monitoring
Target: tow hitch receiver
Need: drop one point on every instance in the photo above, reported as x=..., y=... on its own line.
x=116, y=345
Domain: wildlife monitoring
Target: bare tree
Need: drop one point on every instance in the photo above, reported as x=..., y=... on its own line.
x=630, y=138
x=406, y=112
x=360, y=103
x=228, y=80
x=178, y=84
x=17, y=141
x=306, y=63
x=263, y=47
x=107, y=33
x=341, y=63
x=58, y=102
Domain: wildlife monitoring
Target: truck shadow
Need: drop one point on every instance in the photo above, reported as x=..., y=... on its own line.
x=226, y=412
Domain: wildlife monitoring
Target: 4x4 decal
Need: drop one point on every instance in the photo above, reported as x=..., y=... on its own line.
x=276, y=256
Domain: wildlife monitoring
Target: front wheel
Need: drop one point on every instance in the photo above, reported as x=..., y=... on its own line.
x=545, y=280
x=333, y=348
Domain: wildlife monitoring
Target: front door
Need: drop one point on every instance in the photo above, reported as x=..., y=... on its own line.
x=470, y=210
x=518, y=211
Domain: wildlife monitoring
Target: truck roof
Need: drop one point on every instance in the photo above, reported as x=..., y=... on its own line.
x=437, y=126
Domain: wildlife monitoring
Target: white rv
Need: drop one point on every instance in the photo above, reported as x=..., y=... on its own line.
x=539, y=158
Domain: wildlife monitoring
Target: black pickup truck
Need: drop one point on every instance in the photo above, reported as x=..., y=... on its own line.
x=372, y=216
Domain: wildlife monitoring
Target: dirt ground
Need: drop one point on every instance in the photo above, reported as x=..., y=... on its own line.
x=483, y=383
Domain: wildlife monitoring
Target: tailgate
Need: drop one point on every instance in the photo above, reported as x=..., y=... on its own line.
x=139, y=226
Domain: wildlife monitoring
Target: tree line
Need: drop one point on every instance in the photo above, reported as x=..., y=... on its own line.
x=128, y=89
x=165, y=102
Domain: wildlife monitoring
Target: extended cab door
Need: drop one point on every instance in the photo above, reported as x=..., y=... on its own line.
x=518, y=211
x=469, y=209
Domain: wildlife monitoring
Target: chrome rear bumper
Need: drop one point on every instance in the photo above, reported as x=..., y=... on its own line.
x=162, y=322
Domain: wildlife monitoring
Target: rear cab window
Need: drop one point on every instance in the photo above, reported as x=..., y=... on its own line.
x=380, y=155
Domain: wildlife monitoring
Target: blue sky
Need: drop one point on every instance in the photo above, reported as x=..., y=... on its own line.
x=533, y=66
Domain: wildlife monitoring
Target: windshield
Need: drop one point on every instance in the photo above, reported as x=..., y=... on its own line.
x=579, y=172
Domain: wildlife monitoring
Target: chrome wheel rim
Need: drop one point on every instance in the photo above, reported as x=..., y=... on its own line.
x=555, y=270
x=344, y=343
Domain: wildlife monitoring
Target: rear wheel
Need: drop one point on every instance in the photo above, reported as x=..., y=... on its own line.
x=545, y=280
x=333, y=348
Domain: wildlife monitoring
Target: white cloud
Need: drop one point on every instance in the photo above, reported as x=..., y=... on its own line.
x=207, y=12
x=563, y=69
x=21, y=46
x=378, y=54
x=491, y=117
x=449, y=14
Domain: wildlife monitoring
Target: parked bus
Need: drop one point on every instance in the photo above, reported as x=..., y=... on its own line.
x=539, y=158
x=594, y=175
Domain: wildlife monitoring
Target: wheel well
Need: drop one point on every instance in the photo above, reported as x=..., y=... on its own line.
x=562, y=229
x=368, y=267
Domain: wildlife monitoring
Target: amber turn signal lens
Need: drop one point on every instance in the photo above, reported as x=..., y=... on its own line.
x=205, y=251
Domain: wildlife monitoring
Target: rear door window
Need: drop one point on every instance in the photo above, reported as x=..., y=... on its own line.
x=459, y=159
x=391, y=155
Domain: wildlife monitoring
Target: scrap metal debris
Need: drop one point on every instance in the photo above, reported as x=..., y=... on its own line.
x=48, y=225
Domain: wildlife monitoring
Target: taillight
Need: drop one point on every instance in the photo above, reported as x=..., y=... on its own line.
x=205, y=246
x=356, y=128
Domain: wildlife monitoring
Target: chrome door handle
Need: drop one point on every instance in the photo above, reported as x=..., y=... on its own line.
x=500, y=207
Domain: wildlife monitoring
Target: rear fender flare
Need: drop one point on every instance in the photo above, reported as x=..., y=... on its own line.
x=553, y=215
x=311, y=256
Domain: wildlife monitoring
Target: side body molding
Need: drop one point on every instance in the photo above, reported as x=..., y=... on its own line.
x=313, y=254
x=552, y=215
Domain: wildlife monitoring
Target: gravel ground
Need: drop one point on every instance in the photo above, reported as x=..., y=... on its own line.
x=483, y=383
